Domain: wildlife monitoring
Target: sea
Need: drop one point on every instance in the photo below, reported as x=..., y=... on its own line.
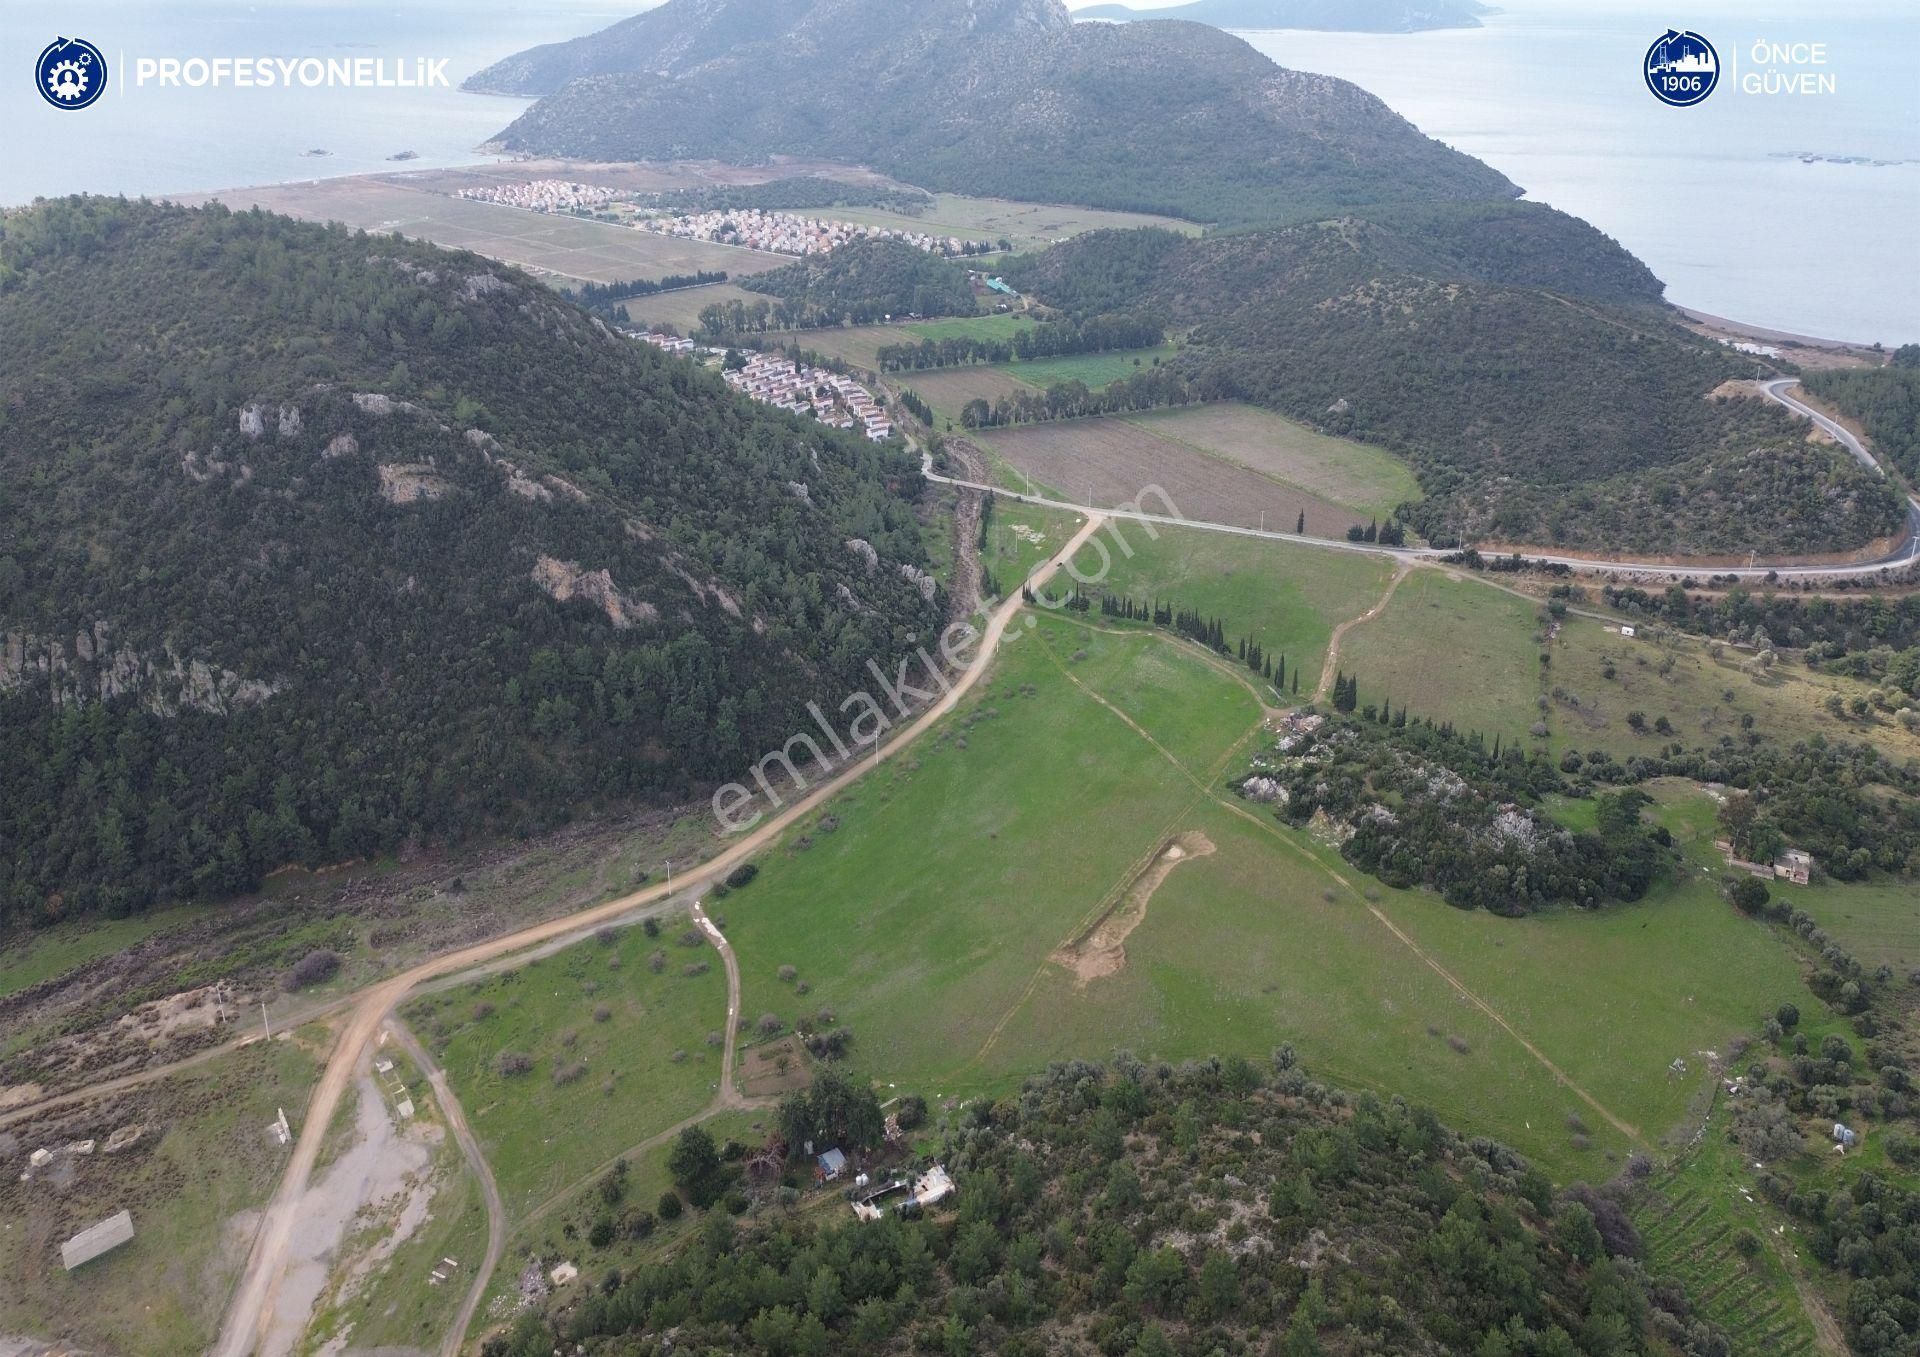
x=156, y=142
x=1798, y=212
x=1766, y=208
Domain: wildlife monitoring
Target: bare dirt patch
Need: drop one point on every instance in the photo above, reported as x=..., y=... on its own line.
x=1102, y=950
x=777, y=1068
x=1114, y=462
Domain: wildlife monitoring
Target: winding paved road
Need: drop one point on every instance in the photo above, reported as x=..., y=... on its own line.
x=1907, y=553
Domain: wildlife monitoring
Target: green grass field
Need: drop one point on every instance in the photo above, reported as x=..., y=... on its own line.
x=1454, y=650
x=205, y=1157
x=541, y=1129
x=1095, y=369
x=1020, y=536
x=941, y=960
x=1702, y=690
x=562, y=1234
x=1288, y=597
x=30, y=956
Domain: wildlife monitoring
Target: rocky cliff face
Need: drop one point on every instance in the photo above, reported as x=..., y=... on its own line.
x=89, y=667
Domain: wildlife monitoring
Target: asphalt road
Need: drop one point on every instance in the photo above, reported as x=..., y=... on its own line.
x=1906, y=553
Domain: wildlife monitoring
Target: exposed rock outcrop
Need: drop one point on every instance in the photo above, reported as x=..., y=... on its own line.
x=565, y=581
x=90, y=668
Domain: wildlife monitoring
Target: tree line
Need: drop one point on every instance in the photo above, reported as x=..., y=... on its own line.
x=1149, y=389
x=1050, y=339
x=604, y=296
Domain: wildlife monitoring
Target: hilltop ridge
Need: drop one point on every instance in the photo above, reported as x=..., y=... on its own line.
x=1334, y=16
x=1001, y=98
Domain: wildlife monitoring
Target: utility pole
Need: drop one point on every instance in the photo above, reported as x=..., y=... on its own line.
x=265, y=1021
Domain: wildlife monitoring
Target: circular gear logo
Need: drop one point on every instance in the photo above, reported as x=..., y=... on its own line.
x=71, y=73
x=1681, y=68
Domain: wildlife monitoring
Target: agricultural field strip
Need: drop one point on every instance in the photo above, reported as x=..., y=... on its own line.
x=1156, y=427
x=726, y=1098
x=1329, y=667
x=1459, y=986
x=1661, y=569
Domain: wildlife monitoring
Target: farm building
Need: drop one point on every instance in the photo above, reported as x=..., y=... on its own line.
x=96, y=1239
x=831, y=1165
x=914, y=1195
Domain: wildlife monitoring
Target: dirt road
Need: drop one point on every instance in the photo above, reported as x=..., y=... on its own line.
x=1331, y=665
x=252, y=1300
x=456, y=1116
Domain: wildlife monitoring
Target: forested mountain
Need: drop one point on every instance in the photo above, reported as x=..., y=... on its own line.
x=1147, y=1211
x=1005, y=98
x=1516, y=355
x=1335, y=16
x=1885, y=400
x=317, y=542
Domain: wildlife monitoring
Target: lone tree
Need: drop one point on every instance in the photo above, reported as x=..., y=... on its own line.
x=1749, y=894
x=695, y=1166
x=834, y=1111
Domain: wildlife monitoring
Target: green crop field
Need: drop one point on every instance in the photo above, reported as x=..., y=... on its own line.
x=1287, y=597
x=1004, y=326
x=1095, y=369
x=1451, y=649
x=1693, y=1220
x=595, y=1085
x=1360, y=476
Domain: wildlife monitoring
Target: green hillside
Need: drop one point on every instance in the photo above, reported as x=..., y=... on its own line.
x=1518, y=357
x=1211, y=1207
x=1001, y=98
x=319, y=543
